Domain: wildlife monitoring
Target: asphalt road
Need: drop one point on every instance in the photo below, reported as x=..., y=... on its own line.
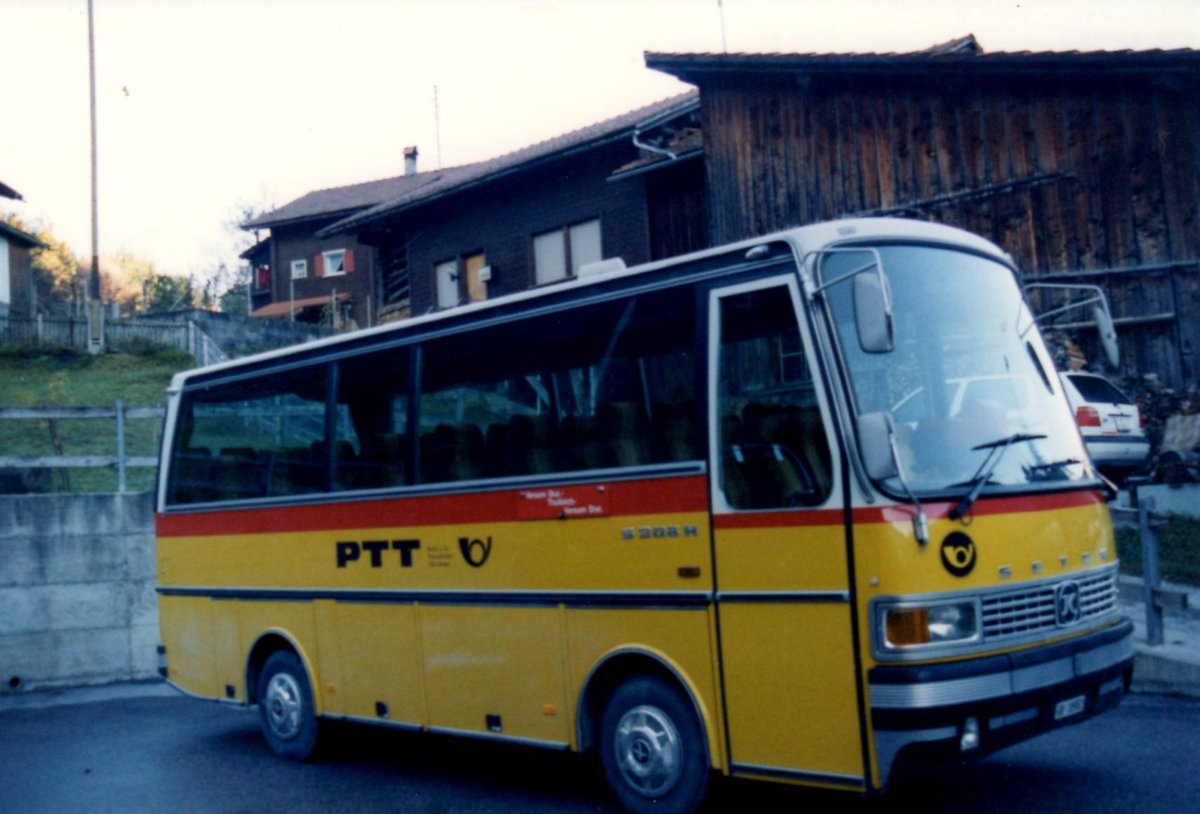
x=179, y=755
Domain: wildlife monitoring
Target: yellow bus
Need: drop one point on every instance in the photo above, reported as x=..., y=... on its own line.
x=810, y=508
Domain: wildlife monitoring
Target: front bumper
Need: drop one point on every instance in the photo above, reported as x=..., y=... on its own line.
x=920, y=713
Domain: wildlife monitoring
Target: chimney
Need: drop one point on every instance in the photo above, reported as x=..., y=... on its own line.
x=410, y=160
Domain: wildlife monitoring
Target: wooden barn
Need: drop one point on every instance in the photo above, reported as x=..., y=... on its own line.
x=1084, y=166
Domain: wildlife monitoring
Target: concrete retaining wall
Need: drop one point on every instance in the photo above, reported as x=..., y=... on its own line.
x=77, y=601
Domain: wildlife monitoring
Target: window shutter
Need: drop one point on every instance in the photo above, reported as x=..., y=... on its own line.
x=549, y=257
x=318, y=266
x=348, y=262
x=585, y=244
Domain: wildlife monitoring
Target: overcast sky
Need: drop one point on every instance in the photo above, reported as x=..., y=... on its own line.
x=206, y=105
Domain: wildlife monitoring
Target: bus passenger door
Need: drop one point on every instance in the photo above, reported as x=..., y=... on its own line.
x=783, y=583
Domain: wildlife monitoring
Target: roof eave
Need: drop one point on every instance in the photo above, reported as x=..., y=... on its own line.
x=662, y=164
x=366, y=218
x=691, y=67
x=335, y=214
x=688, y=105
x=30, y=241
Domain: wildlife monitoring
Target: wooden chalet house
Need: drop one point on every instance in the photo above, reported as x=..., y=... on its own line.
x=298, y=276
x=17, y=294
x=628, y=187
x=1084, y=166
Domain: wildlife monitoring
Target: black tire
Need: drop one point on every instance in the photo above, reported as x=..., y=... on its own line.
x=652, y=748
x=285, y=707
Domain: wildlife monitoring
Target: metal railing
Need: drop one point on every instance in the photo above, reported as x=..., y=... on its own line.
x=1154, y=595
x=121, y=460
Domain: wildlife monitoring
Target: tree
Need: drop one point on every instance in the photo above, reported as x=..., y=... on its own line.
x=123, y=279
x=163, y=293
x=231, y=285
x=55, y=268
x=232, y=288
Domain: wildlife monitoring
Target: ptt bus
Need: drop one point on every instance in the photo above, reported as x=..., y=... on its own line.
x=809, y=508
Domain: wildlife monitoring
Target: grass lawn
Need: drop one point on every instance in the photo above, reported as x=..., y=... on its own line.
x=1178, y=549
x=33, y=378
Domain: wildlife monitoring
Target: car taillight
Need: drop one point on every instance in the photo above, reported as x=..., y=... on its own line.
x=1087, y=417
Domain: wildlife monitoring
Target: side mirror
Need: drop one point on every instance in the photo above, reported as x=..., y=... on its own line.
x=1108, y=336
x=875, y=438
x=877, y=442
x=1094, y=296
x=873, y=311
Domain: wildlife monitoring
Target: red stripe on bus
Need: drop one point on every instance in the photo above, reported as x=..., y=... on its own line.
x=904, y=513
x=625, y=498
x=764, y=520
x=985, y=506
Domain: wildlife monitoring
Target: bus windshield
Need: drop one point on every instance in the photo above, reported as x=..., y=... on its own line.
x=973, y=395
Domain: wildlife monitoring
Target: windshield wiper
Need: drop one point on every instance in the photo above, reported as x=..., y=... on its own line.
x=996, y=450
x=1034, y=471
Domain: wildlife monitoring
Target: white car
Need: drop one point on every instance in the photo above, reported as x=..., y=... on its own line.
x=1109, y=422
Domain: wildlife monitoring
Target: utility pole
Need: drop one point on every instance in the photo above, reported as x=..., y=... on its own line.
x=95, y=311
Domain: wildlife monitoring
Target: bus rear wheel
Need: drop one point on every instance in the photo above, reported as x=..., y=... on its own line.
x=286, y=709
x=652, y=748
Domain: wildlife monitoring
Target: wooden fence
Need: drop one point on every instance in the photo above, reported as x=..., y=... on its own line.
x=118, y=333
x=119, y=459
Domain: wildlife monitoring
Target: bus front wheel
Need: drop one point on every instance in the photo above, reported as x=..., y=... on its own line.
x=652, y=748
x=286, y=708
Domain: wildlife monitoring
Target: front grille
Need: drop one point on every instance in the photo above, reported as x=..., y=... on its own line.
x=1023, y=612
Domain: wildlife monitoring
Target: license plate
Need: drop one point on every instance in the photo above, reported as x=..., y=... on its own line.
x=1072, y=706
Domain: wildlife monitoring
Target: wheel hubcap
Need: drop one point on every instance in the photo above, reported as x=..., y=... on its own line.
x=648, y=751
x=284, y=706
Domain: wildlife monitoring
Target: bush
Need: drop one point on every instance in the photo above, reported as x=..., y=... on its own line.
x=1178, y=549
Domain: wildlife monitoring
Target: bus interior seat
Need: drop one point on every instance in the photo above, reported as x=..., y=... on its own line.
x=192, y=479
x=528, y=447
x=619, y=430
x=379, y=464
x=241, y=472
x=295, y=470
x=452, y=453
x=774, y=456
x=674, y=432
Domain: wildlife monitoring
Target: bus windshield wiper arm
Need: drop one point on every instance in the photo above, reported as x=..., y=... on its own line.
x=996, y=450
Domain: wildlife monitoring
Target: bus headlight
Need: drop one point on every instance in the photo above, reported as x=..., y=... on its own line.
x=932, y=624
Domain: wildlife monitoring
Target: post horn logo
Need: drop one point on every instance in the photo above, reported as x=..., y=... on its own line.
x=958, y=554
x=475, y=552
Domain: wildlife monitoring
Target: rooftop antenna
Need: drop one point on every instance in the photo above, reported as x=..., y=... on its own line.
x=721, y=10
x=437, y=126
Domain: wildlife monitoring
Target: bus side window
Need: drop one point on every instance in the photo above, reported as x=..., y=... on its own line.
x=251, y=438
x=371, y=422
x=596, y=386
x=774, y=453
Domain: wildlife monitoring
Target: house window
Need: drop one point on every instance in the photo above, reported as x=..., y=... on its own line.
x=446, y=275
x=262, y=277
x=5, y=275
x=299, y=269
x=477, y=278
x=583, y=239
x=334, y=263
x=560, y=253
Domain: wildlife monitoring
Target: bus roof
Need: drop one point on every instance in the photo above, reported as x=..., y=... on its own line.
x=802, y=240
